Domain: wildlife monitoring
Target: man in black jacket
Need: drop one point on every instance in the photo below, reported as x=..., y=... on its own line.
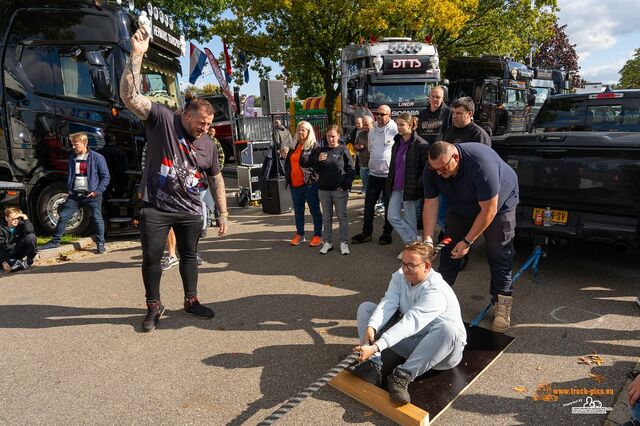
x=17, y=241
x=464, y=129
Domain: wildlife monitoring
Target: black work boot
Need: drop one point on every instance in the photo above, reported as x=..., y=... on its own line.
x=193, y=307
x=155, y=309
x=368, y=371
x=398, y=386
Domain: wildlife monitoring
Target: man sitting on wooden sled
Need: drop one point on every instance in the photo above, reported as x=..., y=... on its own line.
x=418, y=319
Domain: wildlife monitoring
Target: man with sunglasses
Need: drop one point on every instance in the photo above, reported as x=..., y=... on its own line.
x=416, y=327
x=380, y=144
x=483, y=193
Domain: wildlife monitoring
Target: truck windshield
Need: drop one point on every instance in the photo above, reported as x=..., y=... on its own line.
x=542, y=93
x=159, y=85
x=514, y=99
x=398, y=93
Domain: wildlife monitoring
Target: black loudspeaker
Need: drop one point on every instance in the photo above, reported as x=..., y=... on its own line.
x=272, y=94
x=277, y=200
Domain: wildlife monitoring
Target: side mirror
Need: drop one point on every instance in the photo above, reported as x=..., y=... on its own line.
x=351, y=96
x=102, y=83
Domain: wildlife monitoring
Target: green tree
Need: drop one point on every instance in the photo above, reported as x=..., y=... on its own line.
x=211, y=89
x=630, y=73
x=309, y=87
x=474, y=27
x=305, y=37
x=194, y=18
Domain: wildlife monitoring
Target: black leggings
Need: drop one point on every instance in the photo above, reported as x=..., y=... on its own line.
x=154, y=228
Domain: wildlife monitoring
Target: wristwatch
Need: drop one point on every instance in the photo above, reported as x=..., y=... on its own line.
x=467, y=242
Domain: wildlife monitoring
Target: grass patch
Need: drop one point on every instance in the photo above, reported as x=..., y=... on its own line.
x=66, y=239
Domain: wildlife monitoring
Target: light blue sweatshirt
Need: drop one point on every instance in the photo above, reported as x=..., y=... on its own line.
x=420, y=306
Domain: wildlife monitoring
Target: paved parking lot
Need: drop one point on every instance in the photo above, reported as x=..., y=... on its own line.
x=73, y=352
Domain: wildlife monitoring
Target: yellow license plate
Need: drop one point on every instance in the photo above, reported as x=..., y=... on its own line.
x=559, y=216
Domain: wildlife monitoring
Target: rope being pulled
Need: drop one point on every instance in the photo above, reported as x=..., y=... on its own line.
x=310, y=390
x=322, y=381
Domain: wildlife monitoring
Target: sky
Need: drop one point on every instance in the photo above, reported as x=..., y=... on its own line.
x=606, y=33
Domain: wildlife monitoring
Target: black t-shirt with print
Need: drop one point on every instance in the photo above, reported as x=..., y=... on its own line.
x=176, y=164
x=433, y=124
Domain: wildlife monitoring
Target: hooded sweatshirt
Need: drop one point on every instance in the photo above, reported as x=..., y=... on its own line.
x=380, y=143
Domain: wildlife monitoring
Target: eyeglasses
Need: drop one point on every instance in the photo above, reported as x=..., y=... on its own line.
x=443, y=168
x=410, y=266
x=380, y=114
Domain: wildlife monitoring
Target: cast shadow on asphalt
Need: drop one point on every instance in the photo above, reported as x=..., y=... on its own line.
x=550, y=408
x=287, y=370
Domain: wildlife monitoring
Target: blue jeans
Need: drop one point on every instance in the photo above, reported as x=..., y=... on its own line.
x=308, y=194
x=364, y=175
x=498, y=239
x=71, y=206
x=635, y=411
x=207, y=205
x=402, y=216
x=438, y=346
x=329, y=199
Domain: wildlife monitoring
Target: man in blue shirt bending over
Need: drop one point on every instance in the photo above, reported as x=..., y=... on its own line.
x=418, y=319
x=483, y=194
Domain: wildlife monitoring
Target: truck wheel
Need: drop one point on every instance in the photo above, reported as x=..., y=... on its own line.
x=242, y=198
x=49, y=201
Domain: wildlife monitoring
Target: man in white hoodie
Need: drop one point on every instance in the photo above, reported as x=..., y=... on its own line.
x=380, y=143
x=418, y=319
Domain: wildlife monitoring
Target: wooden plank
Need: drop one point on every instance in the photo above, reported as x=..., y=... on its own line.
x=473, y=379
x=378, y=399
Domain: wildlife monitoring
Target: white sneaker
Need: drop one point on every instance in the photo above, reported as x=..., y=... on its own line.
x=326, y=248
x=344, y=248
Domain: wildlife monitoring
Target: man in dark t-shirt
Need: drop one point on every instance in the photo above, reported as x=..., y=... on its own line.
x=464, y=129
x=434, y=120
x=180, y=160
x=483, y=193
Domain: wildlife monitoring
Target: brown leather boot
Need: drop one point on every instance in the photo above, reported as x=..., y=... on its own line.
x=502, y=319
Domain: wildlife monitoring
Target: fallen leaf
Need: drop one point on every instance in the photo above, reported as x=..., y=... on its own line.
x=368, y=413
x=323, y=332
x=539, y=367
x=520, y=389
x=598, y=378
x=327, y=282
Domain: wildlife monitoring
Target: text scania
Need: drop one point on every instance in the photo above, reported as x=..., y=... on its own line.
x=405, y=63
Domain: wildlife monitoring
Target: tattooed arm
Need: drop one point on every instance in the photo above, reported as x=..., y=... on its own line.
x=135, y=102
x=216, y=184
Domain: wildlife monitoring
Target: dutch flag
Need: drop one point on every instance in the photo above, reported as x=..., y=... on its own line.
x=197, y=62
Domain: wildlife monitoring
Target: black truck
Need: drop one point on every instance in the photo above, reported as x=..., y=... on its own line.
x=498, y=86
x=583, y=161
x=61, y=64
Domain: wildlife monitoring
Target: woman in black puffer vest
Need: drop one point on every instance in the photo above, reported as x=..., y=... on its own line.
x=408, y=160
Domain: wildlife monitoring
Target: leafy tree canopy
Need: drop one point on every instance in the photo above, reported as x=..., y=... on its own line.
x=630, y=73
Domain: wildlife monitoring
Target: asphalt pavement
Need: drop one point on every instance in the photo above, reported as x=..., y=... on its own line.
x=72, y=350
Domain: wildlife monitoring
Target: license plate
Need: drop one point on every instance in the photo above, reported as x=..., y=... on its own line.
x=559, y=216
